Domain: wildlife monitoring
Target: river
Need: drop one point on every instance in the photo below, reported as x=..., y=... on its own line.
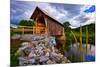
x=74, y=53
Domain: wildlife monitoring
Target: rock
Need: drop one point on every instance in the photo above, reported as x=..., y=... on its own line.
x=43, y=58
x=32, y=60
x=49, y=62
x=25, y=44
x=40, y=50
x=16, y=36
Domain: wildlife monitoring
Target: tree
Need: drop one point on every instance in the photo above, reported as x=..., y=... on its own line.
x=66, y=26
x=29, y=22
x=67, y=31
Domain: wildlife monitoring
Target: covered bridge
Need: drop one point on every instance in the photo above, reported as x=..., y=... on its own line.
x=46, y=24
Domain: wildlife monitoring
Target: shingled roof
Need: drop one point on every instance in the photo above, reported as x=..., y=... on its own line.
x=44, y=12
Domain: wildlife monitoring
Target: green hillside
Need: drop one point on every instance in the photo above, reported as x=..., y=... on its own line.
x=91, y=33
x=73, y=35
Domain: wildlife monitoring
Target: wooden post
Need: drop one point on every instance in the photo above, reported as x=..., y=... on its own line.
x=86, y=41
x=80, y=38
x=74, y=37
x=23, y=30
x=46, y=30
x=36, y=25
x=81, y=48
x=33, y=29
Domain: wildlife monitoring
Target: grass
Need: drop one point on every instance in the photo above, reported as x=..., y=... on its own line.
x=77, y=34
x=14, y=59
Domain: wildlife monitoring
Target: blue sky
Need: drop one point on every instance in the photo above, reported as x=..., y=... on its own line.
x=74, y=13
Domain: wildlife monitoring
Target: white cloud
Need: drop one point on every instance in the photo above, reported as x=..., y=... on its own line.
x=62, y=15
x=27, y=13
x=56, y=12
x=90, y=16
x=13, y=11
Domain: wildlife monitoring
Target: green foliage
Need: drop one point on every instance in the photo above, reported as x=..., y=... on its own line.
x=91, y=28
x=91, y=33
x=27, y=22
x=71, y=39
x=14, y=59
x=67, y=31
x=66, y=26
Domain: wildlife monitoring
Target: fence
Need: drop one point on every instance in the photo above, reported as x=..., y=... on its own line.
x=33, y=29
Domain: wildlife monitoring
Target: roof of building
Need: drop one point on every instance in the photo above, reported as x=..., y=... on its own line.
x=44, y=12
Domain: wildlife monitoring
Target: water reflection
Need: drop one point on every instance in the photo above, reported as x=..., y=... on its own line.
x=74, y=53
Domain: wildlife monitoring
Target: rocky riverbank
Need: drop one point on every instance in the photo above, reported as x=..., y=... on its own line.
x=39, y=50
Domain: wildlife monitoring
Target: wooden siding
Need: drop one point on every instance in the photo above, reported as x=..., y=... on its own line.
x=54, y=28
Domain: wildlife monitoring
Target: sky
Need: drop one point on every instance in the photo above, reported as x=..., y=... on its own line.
x=74, y=13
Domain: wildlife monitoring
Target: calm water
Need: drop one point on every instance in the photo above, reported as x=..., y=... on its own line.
x=74, y=53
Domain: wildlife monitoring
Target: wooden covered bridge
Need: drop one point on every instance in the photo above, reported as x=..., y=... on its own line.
x=46, y=24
